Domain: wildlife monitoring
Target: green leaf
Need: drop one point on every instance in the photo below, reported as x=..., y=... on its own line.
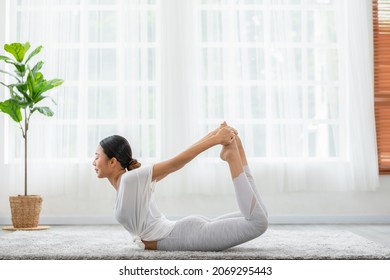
x=23, y=89
x=23, y=104
x=12, y=92
x=5, y=72
x=44, y=110
x=12, y=108
x=2, y=57
x=37, y=67
x=41, y=97
x=20, y=70
x=34, y=52
x=30, y=83
x=11, y=61
x=38, y=77
x=43, y=86
x=18, y=50
x=52, y=84
x=35, y=83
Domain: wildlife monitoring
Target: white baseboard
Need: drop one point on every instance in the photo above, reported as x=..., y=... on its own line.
x=293, y=219
x=69, y=220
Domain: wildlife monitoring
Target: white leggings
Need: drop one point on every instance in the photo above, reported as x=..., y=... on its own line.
x=198, y=233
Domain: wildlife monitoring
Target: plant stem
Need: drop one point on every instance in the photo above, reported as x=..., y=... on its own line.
x=25, y=151
x=25, y=164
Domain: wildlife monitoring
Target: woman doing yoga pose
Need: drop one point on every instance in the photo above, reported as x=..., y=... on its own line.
x=136, y=209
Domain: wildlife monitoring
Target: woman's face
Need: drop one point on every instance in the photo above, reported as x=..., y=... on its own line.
x=101, y=163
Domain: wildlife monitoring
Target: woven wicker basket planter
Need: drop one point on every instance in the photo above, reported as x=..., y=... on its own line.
x=25, y=210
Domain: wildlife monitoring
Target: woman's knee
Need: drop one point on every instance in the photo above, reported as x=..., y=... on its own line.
x=262, y=228
x=260, y=223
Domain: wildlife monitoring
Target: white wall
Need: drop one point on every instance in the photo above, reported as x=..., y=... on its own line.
x=337, y=207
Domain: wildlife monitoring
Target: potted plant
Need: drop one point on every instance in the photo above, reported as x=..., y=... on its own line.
x=25, y=95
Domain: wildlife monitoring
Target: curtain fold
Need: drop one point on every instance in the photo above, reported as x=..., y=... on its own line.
x=360, y=87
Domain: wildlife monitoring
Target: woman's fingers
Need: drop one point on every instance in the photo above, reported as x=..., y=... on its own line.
x=225, y=125
x=227, y=136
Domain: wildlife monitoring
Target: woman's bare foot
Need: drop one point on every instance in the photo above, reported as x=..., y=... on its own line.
x=229, y=151
x=231, y=154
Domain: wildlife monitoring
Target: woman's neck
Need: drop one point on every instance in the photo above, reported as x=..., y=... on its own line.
x=115, y=178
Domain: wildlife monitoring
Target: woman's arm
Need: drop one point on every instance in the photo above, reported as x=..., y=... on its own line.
x=224, y=136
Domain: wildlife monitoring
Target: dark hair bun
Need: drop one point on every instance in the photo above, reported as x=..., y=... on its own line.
x=133, y=164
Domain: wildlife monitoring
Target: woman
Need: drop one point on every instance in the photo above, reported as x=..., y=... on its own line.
x=136, y=209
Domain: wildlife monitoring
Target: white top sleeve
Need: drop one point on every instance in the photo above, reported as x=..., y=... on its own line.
x=136, y=209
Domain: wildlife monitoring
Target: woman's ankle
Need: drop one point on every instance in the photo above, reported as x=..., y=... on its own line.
x=230, y=152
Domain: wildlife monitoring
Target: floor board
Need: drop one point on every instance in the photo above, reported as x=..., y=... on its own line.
x=379, y=233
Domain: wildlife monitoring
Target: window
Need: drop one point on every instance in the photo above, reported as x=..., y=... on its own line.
x=293, y=76
x=107, y=53
x=273, y=67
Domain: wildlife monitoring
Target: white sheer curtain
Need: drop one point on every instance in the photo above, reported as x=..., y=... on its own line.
x=106, y=51
x=294, y=76
x=359, y=86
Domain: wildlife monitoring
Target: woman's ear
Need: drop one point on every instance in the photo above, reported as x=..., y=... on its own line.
x=113, y=161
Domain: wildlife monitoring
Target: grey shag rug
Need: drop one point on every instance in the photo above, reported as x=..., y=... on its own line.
x=111, y=242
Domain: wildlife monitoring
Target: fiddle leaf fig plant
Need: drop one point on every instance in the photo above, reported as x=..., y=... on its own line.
x=26, y=91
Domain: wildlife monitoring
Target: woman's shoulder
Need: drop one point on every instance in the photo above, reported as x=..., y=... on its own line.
x=143, y=171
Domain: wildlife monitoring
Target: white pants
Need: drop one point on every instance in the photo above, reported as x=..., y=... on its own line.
x=198, y=233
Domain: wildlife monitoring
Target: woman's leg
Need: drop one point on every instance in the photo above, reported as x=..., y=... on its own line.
x=248, y=173
x=245, y=165
x=251, y=180
x=197, y=234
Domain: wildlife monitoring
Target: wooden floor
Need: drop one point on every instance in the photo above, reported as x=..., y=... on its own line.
x=379, y=233
x=376, y=233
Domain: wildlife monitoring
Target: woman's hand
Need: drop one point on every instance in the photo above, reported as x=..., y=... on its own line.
x=225, y=135
x=224, y=124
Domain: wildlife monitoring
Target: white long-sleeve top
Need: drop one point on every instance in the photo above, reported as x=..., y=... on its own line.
x=136, y=210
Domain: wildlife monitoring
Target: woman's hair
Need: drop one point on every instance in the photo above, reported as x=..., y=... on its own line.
x=118, y=147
